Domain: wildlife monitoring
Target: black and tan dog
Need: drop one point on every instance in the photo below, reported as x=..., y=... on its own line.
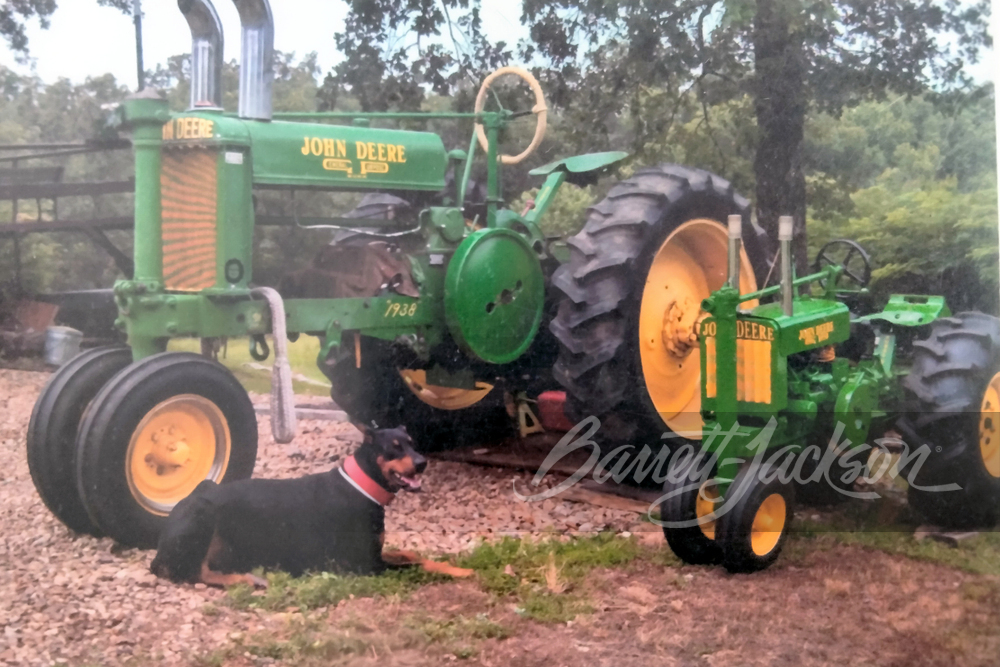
x=329, y=521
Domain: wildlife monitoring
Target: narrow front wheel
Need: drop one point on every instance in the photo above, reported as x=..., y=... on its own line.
x=754, y=523
x=155, y=432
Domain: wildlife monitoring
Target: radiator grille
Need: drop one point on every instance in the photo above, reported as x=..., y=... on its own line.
x=188, y=185
x=753, y=370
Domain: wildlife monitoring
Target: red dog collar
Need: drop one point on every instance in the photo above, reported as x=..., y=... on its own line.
x=353, y=473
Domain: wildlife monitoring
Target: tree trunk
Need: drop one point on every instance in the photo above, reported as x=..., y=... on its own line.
x=780, y=106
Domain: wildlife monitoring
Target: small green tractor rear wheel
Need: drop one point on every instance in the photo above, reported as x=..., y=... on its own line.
x=54, y=423
x=153, y=433
x=754, y=525
x=391, y=394
x=693, y=498
x=631, y=296
x=954, y=409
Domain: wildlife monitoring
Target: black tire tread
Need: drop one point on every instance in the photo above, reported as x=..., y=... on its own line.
x=52, y=430
x=102, y=425
x=600, y=286
x=944, y=389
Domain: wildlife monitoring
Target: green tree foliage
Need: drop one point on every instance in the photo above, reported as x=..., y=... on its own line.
x=601, y=59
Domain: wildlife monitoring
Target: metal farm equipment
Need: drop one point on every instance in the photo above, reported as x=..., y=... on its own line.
x=462, y=313
x=793, y=388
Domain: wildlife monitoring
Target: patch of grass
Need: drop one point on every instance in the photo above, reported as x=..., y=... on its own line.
x=301, y=356
x=460, y=635
x=544, y=577
x=460, y=628
x=324, y=589
x=979, y=554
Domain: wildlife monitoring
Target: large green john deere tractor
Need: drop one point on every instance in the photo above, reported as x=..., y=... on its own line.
x=432, y=306
x=795, y=387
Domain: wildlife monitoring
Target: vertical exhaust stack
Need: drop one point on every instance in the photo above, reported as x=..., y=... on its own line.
x=735, y=226
x=785, y=242
x=206, y=52
x=256, y=59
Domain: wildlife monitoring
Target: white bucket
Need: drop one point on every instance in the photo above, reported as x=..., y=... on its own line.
x=61, y=345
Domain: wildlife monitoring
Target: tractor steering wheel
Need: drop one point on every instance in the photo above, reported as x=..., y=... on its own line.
x=841, y=252
x=540, y=111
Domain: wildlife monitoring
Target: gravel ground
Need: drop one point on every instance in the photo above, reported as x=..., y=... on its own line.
x=78, y=600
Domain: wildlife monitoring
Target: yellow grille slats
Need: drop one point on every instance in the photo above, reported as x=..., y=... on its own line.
x=753, y=370
x=188, y=192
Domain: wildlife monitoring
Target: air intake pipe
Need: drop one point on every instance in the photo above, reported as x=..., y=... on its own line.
x=256, y=59
x=206, y=52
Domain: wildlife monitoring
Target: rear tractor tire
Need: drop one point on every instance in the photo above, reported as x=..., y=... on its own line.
x=54, y=423
x=631, y=295
x=154, y=432
x=389, y=395
x=954, y=409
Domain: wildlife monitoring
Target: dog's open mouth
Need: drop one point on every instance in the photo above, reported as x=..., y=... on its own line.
x=405, y=482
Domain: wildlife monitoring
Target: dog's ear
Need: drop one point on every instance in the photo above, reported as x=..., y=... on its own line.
x=403, y=429
x=366, y=432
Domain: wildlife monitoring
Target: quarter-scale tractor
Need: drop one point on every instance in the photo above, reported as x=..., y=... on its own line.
x=794, y=388
x=434, y=305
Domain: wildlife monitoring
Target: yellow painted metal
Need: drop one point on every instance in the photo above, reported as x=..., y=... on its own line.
x=178, y=444
x=989, y=427
x=704, y=505
x=689, y=265
x=753, y=370
x=768, y=525
x=443, y=398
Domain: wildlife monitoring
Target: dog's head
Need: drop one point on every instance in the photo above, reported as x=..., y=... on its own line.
x=391, y=451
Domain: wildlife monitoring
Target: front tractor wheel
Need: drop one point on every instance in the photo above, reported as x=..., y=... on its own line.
x=52, y=431
x=692, y=498
x=155, y=432
x=753, y=529
x=631, y=296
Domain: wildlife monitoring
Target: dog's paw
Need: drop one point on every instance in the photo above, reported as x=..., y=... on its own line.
x=257, y=582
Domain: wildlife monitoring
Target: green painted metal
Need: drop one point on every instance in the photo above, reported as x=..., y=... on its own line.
x=494, y=295
x=458, y=272
x=343, y=156
x=911, y=310
x=581, y=164
x=819, y=393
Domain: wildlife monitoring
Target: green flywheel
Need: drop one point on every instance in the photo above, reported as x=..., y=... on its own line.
x=494, y=295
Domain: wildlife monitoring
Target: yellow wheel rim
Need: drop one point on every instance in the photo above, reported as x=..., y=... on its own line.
x=768, y=525
x=443, y=398
x=989, y=427
x=687, y=268
x=704, y=505
x=178, y=444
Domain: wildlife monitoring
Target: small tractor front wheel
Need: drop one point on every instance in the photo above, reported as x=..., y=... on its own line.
x=754, y=523
x=155, y=432
x=54, y=423
x=692, y=499
x=954, y=411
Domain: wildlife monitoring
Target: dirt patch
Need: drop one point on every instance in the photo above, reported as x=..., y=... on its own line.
x=840, y=606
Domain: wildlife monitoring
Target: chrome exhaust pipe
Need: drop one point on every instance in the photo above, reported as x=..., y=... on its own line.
x=735, y=242
x=256, y=59
x=206, y=52
x=785, y=226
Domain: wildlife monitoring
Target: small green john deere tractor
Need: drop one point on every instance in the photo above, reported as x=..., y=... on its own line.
x=425, y=317
x=793, y=388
